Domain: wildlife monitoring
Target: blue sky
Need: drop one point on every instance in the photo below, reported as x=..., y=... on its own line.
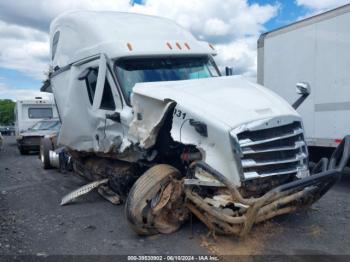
x=23, y=76
x=16, y=79
x=288, y=12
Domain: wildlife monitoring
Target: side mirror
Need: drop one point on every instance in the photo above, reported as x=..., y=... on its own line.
x=84, y=74
x=303, y=88
x=228, y=71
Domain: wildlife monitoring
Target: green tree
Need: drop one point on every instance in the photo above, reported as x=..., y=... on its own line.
x=7, y=111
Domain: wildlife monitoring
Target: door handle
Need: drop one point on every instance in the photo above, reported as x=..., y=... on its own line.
x=114, y=117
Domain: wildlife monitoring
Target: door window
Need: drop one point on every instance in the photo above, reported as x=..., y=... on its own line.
x=55, y=43
x=91, y=81
x=107, y=101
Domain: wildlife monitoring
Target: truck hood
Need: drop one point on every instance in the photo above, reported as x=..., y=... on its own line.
x=38, y=133
x=232, y=100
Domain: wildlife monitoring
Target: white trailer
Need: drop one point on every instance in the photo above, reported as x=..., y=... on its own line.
x=30, y=111
x=316, y=51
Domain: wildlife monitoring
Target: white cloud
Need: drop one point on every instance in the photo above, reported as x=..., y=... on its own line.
x=23, y=49
x=39, y=13
x=19, y=93
x=212, y=18
x=321, y=5
x=24, y=30
x=316, y=7
x=232, y=25
x=240, y=53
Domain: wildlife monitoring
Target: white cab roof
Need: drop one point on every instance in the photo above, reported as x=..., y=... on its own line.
x=34, y=101
x=86, y=33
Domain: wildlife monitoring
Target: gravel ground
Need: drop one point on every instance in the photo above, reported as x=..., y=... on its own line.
x=33, y=222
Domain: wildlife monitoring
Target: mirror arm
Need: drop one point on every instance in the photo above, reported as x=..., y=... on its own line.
x=228, y=71
x=303, y=88
x=300, y=100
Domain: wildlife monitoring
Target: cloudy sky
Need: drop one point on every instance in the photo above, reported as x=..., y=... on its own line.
x=232, y=25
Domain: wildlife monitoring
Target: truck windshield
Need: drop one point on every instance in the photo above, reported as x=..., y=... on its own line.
x=46, y=125
x=136, y=70
x=40, y=113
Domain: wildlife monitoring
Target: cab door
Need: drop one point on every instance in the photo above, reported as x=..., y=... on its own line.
x=91, y=116
x=107, y=107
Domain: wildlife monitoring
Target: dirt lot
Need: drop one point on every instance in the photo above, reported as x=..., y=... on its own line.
x=33, y=222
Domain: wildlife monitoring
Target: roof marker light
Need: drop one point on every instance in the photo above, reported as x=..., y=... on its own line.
x=178, y=45
x=211, y=46
x=337, y=140
x=169, y=45
x=187, y=46
x=129, y=46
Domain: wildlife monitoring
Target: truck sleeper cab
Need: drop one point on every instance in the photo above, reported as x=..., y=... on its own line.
x=145, y=112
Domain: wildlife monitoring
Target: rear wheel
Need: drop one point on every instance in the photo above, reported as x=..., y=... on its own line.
x=155, y=202
x=45, y=147
x=23, y=150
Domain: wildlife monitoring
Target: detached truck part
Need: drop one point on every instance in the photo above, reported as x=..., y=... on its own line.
x=315, y=51
x=143, y=105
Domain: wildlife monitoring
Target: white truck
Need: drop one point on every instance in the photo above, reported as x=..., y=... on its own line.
x=27, y=113
x=143, y=106
x=314, y=51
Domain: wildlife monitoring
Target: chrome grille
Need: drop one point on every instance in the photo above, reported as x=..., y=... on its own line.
x=279, y=150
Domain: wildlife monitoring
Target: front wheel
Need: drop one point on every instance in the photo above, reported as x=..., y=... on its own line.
x=155, y=203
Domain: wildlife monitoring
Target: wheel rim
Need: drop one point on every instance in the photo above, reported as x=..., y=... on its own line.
x=156, y=200
x=168, y=212
x=42, y=156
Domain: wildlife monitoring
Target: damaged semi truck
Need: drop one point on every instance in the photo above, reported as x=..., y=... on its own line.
x=146, y=114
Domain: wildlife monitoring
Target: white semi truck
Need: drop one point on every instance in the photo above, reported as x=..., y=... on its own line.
x=147, y=116
x=27, y=113
x=314, y=51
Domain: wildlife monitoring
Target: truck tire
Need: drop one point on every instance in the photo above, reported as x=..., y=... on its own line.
x=45, y=147
x=138, y=204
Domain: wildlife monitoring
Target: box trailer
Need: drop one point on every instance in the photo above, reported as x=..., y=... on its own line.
x=316, y=51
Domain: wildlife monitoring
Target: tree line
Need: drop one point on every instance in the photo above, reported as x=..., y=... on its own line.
x=7, y=107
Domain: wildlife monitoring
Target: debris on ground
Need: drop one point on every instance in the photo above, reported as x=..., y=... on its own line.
x=253, y=244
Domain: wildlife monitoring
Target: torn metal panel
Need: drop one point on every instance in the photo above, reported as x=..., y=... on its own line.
x=149, y=116
x=109, y=194
x=215, y=148
x=82, y=191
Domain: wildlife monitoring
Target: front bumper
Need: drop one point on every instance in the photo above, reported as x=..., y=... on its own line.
x=29, y=143
x=281, y=200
